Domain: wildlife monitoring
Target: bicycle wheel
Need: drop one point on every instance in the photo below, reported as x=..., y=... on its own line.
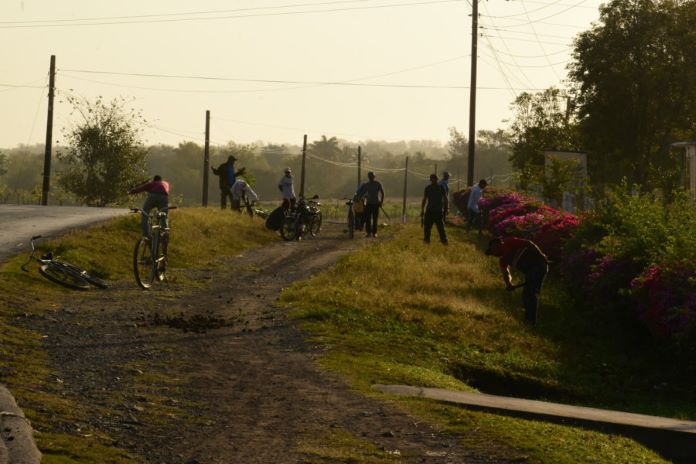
x=315, y=224
x=96, y=281
x=160, y=256
x=61, y=274
x=143, y=263
x=351, y=223
x=289, y=229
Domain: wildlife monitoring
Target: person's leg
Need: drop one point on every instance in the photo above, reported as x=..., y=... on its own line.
x=375, y=220
x=368, y=219
x=427, y=226
x=150, y=202
x=223, y=198
x=532, y=290
x=469, y=219
x=440, y=224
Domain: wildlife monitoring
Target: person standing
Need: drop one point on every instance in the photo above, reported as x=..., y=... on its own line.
x=227, y=176
x=373, y=194
x=444, y=182
x=435, y=196
x=472, y=207
x=287, y=189
x=157, y=197
x=527, y=258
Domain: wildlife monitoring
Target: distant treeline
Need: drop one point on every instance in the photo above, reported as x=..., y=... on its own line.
x=331, y=167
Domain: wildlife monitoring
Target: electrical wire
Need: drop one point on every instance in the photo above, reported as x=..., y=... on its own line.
x=218, y=18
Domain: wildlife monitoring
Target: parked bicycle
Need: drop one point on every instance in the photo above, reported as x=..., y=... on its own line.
x=355, y=220
x=150, y=253
x=62, y=272
x=304, y=218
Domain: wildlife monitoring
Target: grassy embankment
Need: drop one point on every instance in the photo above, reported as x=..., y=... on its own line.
x=199, y=238
x=399, y=312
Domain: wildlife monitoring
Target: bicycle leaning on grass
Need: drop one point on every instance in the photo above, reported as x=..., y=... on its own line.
x=150, y=253
x=62, y=272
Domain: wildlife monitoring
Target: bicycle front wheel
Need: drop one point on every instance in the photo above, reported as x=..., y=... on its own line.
x=143, y=263
x=315, y=224
x=289, y=229
x=351, y=224
x=61, y=274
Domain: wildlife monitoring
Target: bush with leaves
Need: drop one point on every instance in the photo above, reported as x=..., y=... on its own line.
x=104, y=156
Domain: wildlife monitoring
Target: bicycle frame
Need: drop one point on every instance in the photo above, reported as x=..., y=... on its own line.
x=151, y=251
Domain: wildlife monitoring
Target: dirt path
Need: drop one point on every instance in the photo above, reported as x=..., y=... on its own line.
x=219, y=375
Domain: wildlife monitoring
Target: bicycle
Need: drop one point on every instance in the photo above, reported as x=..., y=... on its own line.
x=304, y=218
x=150, y=253
x=62, y=272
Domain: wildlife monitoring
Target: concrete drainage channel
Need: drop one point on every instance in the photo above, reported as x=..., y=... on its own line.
x=17, y=444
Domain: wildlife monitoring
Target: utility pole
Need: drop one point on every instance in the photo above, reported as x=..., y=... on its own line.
x=472, y=94
x=359, y=164
x=206, y=158
x=49, y=133
x=403, y=212
x=302, y=172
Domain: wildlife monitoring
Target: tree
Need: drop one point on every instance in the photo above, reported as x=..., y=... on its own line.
x=636, y=88
x=104, y=155
x=326, y=148
x=3, y=161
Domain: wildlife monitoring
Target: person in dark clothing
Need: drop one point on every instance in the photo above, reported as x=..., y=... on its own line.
x=373, y=194
x=435, y=196
x=228, y=176
x=527, y=258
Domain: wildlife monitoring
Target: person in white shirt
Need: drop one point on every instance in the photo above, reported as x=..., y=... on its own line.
x=240, y=190
x=472, y=207
x=285, y=185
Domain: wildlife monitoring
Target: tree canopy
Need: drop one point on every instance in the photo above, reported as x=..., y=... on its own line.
x=104, y=155
x=636, y=89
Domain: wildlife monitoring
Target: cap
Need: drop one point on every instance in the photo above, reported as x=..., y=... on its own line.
x=445, y=174
x=287, y=170
x=370, y=174
x=433, y=176
x=231, y=158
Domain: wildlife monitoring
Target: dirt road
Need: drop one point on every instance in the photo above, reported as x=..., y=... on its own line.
x=219, y=375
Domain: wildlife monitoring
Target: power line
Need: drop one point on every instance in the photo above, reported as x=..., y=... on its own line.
x=218, y=18
x=278, y=81
x=235, y=10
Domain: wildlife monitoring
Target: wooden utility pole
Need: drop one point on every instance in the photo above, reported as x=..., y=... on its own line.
x=206, y=158
x=472, y=94
x=359, y=164
x=49, y=133
x=403, y=211
x=302, y=172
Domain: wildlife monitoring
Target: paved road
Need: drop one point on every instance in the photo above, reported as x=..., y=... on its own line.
x=19, y=223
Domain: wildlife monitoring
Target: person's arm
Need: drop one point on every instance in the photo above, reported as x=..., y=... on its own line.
x=425, y=200
x=240, y=172
x=381, y=195
x=507, y=278
x=140, y=188
x=251, y=194
x=446, y=203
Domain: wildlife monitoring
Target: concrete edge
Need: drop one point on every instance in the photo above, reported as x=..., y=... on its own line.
x=673, y=439
x=17, y=445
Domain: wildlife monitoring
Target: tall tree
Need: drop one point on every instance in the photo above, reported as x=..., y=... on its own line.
x=104, y=155
x=327, y=148
x=636, y=88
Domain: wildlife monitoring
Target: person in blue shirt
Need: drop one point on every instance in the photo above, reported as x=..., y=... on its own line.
x=228, y=176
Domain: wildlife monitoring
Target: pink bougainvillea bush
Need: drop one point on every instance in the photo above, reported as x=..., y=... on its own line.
x=666, y=299
x=609, y=256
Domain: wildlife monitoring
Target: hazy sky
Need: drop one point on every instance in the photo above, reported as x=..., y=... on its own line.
x=274, y=70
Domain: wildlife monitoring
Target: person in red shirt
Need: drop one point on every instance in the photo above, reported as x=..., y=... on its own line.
x=157, y=197
x=527, y=258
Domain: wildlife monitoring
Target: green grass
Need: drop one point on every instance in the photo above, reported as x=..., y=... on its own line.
x=199, y=239
x=402, y=312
